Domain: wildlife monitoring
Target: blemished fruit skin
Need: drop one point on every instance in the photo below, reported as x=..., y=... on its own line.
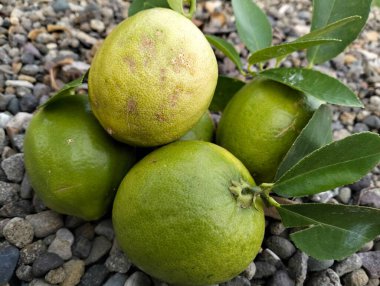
x=260, y=124
x=202, y=131
x=177, y=220
x=157, y=73
x=73, y=165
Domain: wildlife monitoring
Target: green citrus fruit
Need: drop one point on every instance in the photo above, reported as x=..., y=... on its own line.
x=202, y=131
x=73, y=165
x=153, y=78
x=260, y=124
x=178, y=220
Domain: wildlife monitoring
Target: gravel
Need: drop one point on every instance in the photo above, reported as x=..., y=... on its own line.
x=19, y=232
x=349, y=264
x=61, y=244
x=45, y=223
x=46, y=262
x=8, y=260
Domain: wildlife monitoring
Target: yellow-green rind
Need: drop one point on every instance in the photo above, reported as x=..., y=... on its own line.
x=153, y=78
x=176, y=219
x=260, y=124
x=73, y=165
x=202, y=131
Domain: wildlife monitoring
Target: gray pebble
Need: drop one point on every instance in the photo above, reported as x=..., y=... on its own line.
x=94, y=276
x=138, y=279
x=24, y=273
x=39, y=282
x=86, y=230
x=356, y=278
x=13, y=106
x=250, y=271
x=117, y=279
x=318, y=265
x=281, y=246
x=30, y=252
x=282, y=278
x=61, y=245
x=371, y=264
x=40, y=89
x=3, y=222
x=45, y=223
x=26, y=191
x=14, y=167
x=373, y=282
x=38, y=204
x=73, y=221
x=30, y=69
x=264, y=269
x=298, y=267
x=100, y=248
x=324, y=278
x=18, y=142
x=344, y=195
x=49, y=239
x=28, y=103
x=349, y=264
x=19, y=232
x=46, y=262
x=8, y=192
x=105, y=228
x=60, y=5
x=27, y=58
x=367, y=247
x=372, y=121
x=363, y=183
x=360, y=127
x=117, y=261
x=20, y=208
x=81, y=247
x=74, y=270
x=269, y=256
x=277, y=228
x=237, y=281
x=8, y=260
x=5, y=117
x=370, y=198
x=55, y=276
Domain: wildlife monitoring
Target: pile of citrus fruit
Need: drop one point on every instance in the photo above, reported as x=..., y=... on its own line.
x=187, y=213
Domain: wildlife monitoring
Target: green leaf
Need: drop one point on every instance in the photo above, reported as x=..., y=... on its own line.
x=329, y=11
x=225, y=90
x=286, y=49
x=177, y=5
x=333, y=231
x=252, y=25
x=227, y=49
x=66, y=89
x=339, y=163
x=313, y=136
x=316, y=84
x=139, y=5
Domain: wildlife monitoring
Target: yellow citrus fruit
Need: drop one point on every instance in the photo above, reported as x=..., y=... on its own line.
x=178, y=220
x=202, y=131
x=260, y=124
x=73, y=165
x=153, y=78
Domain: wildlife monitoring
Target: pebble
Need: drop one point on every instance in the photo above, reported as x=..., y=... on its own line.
x=30, y=69
x=5, y=117
x=367, y=247
x=8, y=260
x=105, y=228
x=269, y=256
x=3, y=222
x=97, y=25
x=8, y=192
x=39, y=282
x=28, y=103
x=60, y=5
x=356, y=278
x=14, y=168
x=349, y=264
x=55, y=276
x=117, y=279
x=19, y=83
x=324, y=278
x=24, y=273
x=370, y=198
x=73, y=221
x=19, y=208
x=372, y=121
x=344, y=195
x=237, y=281
x=374, y=104
x=45, y=223
x=30, y=252
x=86, y=230
x=298, y=267
x=100, y=248
x=74, y=270
x=277, y=228
x=371, y=263
x=318, y=265
x=138, y=279
x=45, y=262
x=264, y=269
x=282, y=278
x=360, y=127
x=117, y=261
x=19, y=232
x=61, y=244
x=19, y=122
x=81, y=247
x=363, y=183
x=280, y=246
x=26, y=191
x=250, y=271
x=94, y=276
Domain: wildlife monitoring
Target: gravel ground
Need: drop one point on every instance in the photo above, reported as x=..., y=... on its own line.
x=44, y=44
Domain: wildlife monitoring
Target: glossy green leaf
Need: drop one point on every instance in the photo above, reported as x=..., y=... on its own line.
x=139, y=5
x=227, y=49
x=313, y=136
x=339, y=163
x=329, y=11
x=225, y=90
x=252, y=25
x=332, y=231
x=66, y=89
x=285, y=49
x=316, y=84
x=177, y=5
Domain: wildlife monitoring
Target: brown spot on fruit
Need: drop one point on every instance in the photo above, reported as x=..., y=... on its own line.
x=132, y=106
x=162, y=75
x=131, y=63
x=160, y=117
